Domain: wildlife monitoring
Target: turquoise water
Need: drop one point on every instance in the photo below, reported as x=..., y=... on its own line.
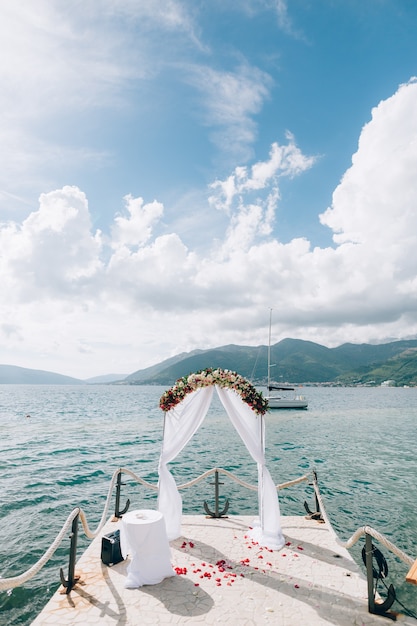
x=59, y=447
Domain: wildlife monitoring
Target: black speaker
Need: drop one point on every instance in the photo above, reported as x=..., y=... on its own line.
x=110, y=548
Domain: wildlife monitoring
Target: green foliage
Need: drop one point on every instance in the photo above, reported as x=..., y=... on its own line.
x=296, y=361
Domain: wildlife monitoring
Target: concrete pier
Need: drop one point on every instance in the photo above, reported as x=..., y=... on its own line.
x=223, y=577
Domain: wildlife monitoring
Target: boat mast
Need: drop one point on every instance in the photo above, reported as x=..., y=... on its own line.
x=269, y=348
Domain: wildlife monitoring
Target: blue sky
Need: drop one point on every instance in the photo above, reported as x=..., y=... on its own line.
x=172, y=170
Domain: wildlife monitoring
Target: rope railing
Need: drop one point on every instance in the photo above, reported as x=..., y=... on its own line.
x=238, y=480
x=368, y=530
x=78, y=513
x=375, y=606
x=360, y=532
x=17, y=581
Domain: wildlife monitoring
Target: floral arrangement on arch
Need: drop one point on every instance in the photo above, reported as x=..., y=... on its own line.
x=220, y=377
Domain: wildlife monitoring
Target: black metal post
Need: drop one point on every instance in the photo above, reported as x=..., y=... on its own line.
x=216, y=493
x=117, y=512
x=369, y=572
x=72, y=579
x=316, y=500
x=316, y=515
x=216, y=512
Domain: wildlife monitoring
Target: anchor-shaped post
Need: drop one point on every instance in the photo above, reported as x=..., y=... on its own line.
x=317, y=513
x=117, y=512
x=377, y=608
x=216, y=499
x=71, y=581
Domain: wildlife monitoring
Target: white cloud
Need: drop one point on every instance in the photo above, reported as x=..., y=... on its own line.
x=66, y=67
x=136, y=229
x=61, y=62
x=52, y=253
x=88, y=303
x=376, y=198
x=231, y=100
x=286, y=160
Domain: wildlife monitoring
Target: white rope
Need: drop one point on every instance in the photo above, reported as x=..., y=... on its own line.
x=360, y=532
x=16, y=581
x=193, y=482
x=92, y=534
x=290, y=483
x=368, y=530
x=239, y=481
x=138, y=478
x=197, y=480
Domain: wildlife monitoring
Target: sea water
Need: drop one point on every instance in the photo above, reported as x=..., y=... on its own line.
x=60, y=445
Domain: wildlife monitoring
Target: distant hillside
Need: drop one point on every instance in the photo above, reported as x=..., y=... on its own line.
x=400, y=367
x=292, y=360
x=11, y=375
x=105, y=379
x=295, y=361
x=151, y=373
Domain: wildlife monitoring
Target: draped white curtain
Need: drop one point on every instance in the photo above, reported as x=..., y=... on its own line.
x=181, y=423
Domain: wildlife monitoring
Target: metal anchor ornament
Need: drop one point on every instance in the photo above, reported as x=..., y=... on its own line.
x=216, y=513
x=117, y=512
x=70, y=582
x=317, y=513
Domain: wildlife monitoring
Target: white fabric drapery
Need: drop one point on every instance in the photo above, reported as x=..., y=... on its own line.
x=181, y=422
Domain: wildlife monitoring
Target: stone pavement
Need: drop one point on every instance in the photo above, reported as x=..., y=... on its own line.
x=223, y=577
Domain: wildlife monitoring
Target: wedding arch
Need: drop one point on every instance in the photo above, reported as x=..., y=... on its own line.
x=185, y=406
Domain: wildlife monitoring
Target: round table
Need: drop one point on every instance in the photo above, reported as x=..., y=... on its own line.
x=143, y=536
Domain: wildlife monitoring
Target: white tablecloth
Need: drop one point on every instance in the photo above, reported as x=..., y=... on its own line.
x=143, y=536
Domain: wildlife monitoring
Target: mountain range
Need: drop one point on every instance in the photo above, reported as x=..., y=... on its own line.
x=296, y=361
x=292, y=361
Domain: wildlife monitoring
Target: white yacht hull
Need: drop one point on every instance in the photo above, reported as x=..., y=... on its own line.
x=298, y=402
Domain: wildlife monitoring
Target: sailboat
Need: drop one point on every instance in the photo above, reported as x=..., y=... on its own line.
x=287, y=397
